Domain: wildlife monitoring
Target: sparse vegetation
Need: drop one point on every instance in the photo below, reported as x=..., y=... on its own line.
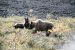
x=23, y=39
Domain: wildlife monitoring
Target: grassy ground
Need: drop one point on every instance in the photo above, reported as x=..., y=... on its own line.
x=23, y=39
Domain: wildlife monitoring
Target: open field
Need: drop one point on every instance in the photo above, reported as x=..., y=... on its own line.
x=23, y=39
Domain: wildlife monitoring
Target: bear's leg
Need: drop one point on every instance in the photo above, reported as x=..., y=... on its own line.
x=48, y=33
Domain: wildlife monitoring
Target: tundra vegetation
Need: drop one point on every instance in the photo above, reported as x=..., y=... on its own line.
x=23, y=39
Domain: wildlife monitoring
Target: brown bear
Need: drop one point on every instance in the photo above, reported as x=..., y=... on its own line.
x=41, y=26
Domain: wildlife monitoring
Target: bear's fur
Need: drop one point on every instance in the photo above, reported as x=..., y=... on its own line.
x=41, y=26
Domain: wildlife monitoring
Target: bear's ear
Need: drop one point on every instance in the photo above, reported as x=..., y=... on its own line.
x=31, y=22
x=26, y=18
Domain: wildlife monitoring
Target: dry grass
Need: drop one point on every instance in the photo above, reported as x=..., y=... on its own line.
x=23, y=39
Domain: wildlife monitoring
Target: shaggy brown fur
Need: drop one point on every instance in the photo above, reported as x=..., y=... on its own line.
x=42, y=26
